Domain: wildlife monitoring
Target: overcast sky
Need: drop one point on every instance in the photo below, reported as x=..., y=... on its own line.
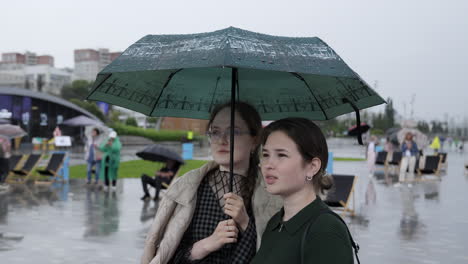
x=400, y=47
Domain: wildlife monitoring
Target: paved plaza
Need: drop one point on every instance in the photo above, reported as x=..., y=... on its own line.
x=73, y=223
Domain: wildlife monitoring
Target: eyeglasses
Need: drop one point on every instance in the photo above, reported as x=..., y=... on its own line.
x=217, y=135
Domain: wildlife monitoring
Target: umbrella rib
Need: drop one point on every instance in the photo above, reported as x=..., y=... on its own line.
x=310, y=90
x=214, y=93
x=162, y=90
x=99, y=84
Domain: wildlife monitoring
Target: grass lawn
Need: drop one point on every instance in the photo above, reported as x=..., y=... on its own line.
x=134, y=168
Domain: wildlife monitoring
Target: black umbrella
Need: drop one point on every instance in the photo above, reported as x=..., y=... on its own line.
x=355, y=130
x=159, y=153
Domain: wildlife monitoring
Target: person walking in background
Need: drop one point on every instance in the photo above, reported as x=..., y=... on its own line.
x=93, y=156
x=57, y=132
x=164, y=175
x=5, y=154
x=110, y=160
x=371, y=155
x=408, y=162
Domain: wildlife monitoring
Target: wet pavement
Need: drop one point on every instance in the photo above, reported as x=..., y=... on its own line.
x=74, y=223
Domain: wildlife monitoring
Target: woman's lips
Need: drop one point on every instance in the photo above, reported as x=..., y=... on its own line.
x=270, y=179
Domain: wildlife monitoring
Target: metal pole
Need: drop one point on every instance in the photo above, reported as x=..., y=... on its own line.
x=231, y=142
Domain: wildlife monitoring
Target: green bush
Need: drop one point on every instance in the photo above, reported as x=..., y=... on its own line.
x=377, y=132
x=131, y=121
x=161, y=135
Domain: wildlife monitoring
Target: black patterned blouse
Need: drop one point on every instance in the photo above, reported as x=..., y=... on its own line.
x=208, y=213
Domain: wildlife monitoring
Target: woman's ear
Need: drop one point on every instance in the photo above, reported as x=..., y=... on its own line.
x=313, y=166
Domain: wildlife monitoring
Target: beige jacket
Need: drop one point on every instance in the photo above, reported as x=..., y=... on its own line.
x=176, y=210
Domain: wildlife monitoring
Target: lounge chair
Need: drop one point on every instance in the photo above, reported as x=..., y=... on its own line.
x=443, y=156
x=50, y=173
x=395, y=161
x=15, y=160
x=339, y=197
x=22, y=174
x=381, y=159
x=432, y=165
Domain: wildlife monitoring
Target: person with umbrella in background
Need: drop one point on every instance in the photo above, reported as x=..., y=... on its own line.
x=110, y=162
x=162, y=176
x=410, y=150
x=199, y=219
x=371, y=155
x=5, y=153
x=93, y=156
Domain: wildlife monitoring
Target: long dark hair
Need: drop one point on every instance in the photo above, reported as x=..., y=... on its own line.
x=310, y=142
x=254, y=123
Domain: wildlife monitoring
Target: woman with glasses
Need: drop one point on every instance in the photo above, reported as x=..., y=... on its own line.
x=199, y=220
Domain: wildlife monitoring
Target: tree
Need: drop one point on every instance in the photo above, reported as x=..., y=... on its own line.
x=389, y=114
x=90, y=107
x=385, y=120
x=423, y=126
x=76, y=90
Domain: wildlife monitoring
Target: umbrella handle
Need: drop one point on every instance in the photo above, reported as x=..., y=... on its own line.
x=358, y=119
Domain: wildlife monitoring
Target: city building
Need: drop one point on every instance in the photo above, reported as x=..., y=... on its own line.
x=89, y=62
x=28, y=58
x=33, y=72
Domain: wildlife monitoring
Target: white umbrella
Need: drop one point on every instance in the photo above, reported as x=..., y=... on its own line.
x=11, y=131
x=419, y=137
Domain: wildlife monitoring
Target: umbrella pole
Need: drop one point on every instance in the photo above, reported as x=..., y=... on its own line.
x=358, y=119
x=231, y=142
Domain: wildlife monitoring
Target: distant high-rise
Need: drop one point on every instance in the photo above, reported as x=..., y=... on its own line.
x=28, y=58
x=32, y=72
x=88, y=62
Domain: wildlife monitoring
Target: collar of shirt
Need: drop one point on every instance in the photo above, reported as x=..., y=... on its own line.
x=299, y=220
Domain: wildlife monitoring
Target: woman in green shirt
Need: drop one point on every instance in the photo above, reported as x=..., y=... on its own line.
x=294, y=158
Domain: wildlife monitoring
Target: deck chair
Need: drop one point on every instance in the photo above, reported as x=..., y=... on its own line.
x=381, y=159
x=431, y=166
x=443, y=161
x=395, y=161
x=21, y=175
x=339, y=196
x=14, y=161
x=50, y=173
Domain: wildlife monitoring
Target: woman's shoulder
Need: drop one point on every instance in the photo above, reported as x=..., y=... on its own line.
x=329, y=224
x=184, y=187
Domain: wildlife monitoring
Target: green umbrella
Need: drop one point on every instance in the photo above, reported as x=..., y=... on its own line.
x=186, y=75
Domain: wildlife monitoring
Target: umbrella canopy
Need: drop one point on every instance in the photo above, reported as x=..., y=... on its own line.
x=354, y=131
x=186, y=75
x=418, y=137
x=4, y=121
x=82, y=120
x=159, y=153
x=11, y=131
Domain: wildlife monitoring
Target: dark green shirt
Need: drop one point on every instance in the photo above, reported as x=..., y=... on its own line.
x=327, y=240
